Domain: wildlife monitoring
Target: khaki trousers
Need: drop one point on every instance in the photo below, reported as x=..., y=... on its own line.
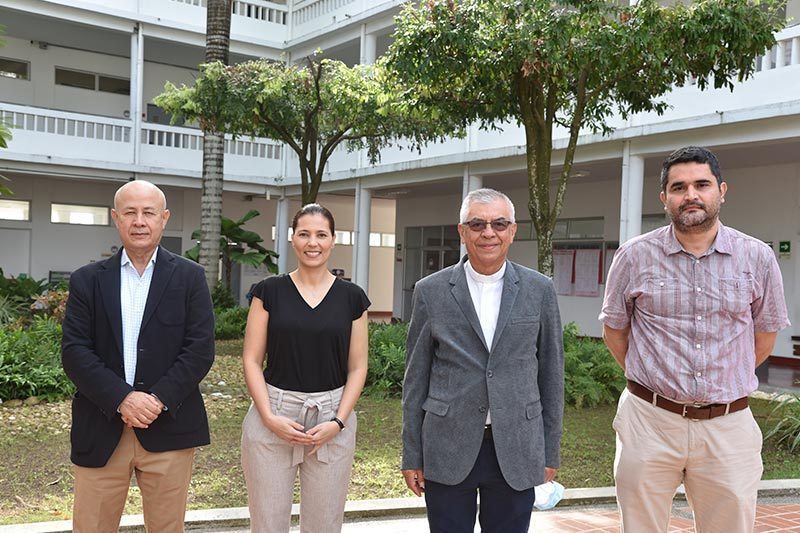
x=718, y=461
x=271, y=464
x=162, y=477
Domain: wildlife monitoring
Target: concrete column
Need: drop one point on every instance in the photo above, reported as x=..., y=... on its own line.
x=766, y=61
x=281, y=230
x=630, y=211
x=363, y=212
x=469, y=183
x=796, y=51
x=369, y=42
x=137, y=90
x=780, y=57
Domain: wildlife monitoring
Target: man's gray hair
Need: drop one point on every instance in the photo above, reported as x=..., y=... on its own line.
x=483, y=196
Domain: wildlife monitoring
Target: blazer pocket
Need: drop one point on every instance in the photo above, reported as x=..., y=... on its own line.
x=437, y=407
x=533, y=410
x=524, y=319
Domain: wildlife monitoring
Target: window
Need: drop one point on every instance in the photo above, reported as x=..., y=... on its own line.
x=114, y=85
x=387, y=239
x=86, y=215
x=374, y=239
x=11, y=68
x=92, y=81
x=74, y=78
x=381, y=240
x=344, y=237
x=651, y=222
x=289, y=233
x=15, y=209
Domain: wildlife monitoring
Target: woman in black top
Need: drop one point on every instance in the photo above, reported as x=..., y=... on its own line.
x=312, y=327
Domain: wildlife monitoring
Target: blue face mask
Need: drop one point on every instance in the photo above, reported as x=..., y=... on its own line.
x=548, y=495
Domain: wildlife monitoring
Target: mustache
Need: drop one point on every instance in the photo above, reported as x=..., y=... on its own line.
x=687, y=205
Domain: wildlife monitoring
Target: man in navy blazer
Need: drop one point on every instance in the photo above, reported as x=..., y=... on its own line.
x=138, y=337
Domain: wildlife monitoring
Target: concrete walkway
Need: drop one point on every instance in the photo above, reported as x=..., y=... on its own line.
x=581, y=510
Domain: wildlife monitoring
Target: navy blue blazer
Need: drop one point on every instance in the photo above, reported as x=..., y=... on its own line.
x=176, y=350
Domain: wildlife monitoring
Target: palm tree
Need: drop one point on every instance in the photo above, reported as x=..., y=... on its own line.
x=218, y=40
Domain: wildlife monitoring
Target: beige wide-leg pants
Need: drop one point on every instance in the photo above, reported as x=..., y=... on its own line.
x=717, y=460
x=270, y=465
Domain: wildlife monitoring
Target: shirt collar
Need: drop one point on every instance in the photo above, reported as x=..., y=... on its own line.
x=482, y=278
x=124, y=260
x=722, y=242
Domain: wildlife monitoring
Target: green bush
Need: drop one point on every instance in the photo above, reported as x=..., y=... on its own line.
x=230, y=323
x=387, y=359
x=786, y=430
x=591, y=375
x=222, y=298
x=30, y=362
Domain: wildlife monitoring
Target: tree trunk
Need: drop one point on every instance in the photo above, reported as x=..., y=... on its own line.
x=211, y=205
x=218, y=30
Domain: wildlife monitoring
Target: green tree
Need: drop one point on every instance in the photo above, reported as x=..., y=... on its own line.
x=313, y=108
x=237, y=245
x=568, y=64
x=218, y=31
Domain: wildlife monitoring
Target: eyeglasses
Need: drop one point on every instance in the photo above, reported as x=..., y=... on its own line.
x=499, y=224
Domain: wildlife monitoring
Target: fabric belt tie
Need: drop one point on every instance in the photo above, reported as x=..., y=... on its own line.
x=313, y=407
x=691, y=411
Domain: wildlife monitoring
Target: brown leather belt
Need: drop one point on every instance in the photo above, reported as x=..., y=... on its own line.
x=692, y=411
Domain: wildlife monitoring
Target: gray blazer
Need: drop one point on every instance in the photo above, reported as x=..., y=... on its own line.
x=452, y=378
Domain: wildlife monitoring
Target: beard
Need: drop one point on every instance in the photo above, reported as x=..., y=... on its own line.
x=697, y=220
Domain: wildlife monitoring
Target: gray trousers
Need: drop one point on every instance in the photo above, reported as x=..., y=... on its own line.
x=271, y=464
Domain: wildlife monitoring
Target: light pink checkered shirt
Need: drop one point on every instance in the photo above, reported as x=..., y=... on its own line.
x=693, y=319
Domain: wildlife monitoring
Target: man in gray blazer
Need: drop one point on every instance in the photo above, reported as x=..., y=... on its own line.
x=483, y=393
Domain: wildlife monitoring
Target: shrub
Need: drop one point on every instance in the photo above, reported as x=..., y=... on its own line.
x=786, y=430
x=30, y=362
x=591, y=375
x=230, y=323
x=222, y=298
x=51, y=303
x=387, y=359
x=9, y=311
x=20, y=289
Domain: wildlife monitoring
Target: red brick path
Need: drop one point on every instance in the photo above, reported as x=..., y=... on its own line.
x=769, y=518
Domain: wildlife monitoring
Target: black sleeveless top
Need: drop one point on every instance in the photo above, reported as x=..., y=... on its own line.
x=307, y=349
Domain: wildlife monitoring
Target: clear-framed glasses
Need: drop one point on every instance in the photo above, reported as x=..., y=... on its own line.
x=499, y=224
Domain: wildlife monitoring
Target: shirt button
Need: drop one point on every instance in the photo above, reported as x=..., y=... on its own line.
x=699, y=317
x=482, y=409
x=699, y=289
x=489, y=373
x=698, y=374
x=698, y=346
x=661, y=284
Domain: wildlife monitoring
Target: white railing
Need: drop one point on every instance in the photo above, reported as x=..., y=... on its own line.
x=64, y=123
x=307, y=10
x=192, y=139
x=786, y=51
x=251, y=9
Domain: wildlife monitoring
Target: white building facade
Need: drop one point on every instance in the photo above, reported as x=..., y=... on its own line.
x=77, y=80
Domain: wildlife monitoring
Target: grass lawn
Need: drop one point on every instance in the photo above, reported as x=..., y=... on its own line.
x=36, y=475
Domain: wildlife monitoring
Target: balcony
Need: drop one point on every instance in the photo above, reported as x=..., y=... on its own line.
x=77, y=139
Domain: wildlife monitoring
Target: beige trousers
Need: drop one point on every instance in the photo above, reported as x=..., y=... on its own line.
x=718, y=461
x=163, y=479
x=271, y=464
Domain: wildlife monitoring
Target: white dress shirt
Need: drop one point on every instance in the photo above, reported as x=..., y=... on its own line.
x=486, y=292
x=133, y=290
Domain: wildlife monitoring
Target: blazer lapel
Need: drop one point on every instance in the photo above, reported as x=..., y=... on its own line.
x=510, y=290
x=108, y=277
x=460, y=291
x=164, y=267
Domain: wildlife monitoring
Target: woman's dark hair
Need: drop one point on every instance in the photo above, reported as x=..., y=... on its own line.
x=314, y=209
